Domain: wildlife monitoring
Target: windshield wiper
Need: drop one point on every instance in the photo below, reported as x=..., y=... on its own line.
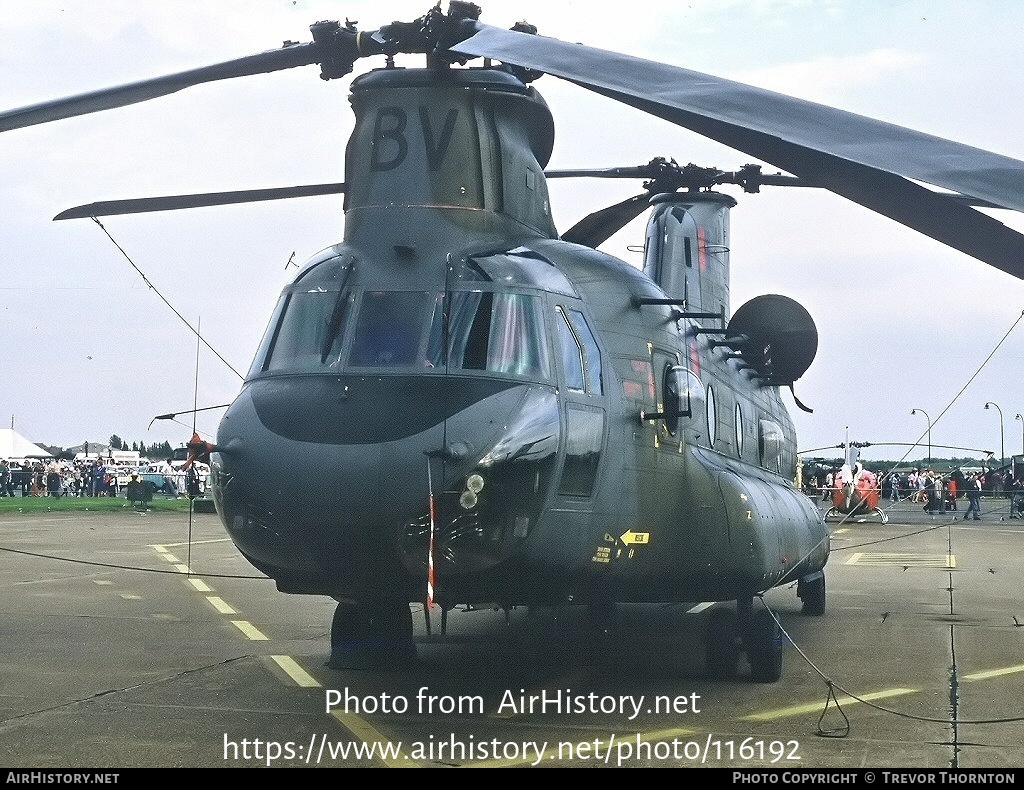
x=337, y=314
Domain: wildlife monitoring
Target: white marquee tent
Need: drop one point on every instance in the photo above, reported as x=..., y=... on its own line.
x=14, y=445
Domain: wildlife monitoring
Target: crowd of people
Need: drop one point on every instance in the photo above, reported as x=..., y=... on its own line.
x=936, y=492
x=93, y=477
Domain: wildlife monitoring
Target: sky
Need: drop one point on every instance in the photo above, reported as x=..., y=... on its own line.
x=90, y=350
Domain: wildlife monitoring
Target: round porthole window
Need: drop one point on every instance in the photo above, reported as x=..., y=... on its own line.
x=712, y=417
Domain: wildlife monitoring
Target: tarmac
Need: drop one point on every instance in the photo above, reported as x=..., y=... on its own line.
x=152, y=643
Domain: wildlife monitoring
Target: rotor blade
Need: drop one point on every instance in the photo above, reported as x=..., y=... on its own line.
x=287, y=57
x=641, y=171
x=106, y=208
x=821, y=144
x=595, y=229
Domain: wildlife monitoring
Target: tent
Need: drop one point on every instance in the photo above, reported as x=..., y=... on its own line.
x=14, y=445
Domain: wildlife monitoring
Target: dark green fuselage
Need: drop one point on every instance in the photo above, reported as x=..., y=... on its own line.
x=452, y=348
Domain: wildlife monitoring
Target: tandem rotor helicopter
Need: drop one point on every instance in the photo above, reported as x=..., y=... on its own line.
x=518, y=418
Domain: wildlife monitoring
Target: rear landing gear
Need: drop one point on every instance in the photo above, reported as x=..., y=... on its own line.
x=722, y=647
x=763, y=643
x=372, y=635
x=811, y=590
x=755, y=633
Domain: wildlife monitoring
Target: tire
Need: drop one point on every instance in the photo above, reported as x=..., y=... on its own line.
x=812, y=593
x=375, y=635
x=721, y=650
x=764, y=648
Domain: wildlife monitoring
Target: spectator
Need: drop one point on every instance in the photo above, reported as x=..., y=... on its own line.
x=973, y=497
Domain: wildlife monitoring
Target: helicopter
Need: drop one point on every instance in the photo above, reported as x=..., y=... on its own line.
x=515, y=417
x=855, y=490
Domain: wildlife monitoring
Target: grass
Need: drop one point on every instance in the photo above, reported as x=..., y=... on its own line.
x=33, y=504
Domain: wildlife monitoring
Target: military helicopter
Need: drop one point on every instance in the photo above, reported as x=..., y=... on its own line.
x=456, y=404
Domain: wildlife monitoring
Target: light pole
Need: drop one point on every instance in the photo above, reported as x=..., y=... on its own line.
x=915, y=411
x=1002, y=445
x=1021, y=418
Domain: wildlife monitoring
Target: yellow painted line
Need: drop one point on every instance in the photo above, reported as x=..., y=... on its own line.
x=193, y=543
x=161, y=549
x=182, y=568
x=994, y=673
x=170, y=557
x=220, y=604
x=367, y=733
x=295, y=672
x=131, y=597
x=943, y=561
x=530, y=759
x=102, y=582
x=200, y=585
x=840, y=531
x=815, y=707
x=251, y=631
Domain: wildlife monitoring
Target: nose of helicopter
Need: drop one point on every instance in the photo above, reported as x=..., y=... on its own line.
x=326, y=485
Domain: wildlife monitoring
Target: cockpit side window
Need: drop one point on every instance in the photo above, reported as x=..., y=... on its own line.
x=497, y=332
x=571, y=353
x=591, y=353
x=581, y=358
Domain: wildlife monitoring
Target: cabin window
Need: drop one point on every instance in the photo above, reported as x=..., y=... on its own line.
x=712, y=410
x=771, y=441
x=682, y=395
x=738, y=428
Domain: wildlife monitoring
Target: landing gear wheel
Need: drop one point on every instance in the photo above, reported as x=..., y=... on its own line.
x=811, y=590
x=372, y=636
x=722, y=652
x=764, y=648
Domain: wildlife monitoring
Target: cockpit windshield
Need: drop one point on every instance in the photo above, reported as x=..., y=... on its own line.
x=388, y=329
x=331, y=330
x=301, y=340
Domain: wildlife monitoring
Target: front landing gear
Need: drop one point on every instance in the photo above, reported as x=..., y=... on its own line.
x=372, y=635
x=755, y=633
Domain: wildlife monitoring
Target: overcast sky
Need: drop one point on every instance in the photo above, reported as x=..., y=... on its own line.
x=89, y=350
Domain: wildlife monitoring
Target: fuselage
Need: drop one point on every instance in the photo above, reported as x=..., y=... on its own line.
x=453, y=385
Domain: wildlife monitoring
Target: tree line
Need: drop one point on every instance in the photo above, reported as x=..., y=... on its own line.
x=156, y=450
